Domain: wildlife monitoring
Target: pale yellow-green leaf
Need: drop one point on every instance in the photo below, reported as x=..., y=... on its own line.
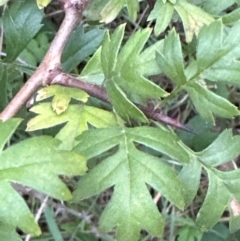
x=43, y=3
x=77, y=118
x=193, y=18
x=62, y=96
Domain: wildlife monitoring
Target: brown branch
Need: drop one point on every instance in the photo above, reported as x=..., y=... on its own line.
x=101, y=94
x=73, y=13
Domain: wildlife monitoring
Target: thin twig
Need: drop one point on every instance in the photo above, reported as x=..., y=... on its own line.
x=100, y=93
x=38, y=215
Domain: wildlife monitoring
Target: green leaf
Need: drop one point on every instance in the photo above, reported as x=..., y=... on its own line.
x=62, y=96
x=162, y=12
x=93, y=10
x=147, y=62
x=211, y=211
x=52, y=224
x=20, y=22
x=76, y=118
x=215, y=7
x=129, y=170
x=36, y=49
x=223, y=53
x=92, y=71
x=193, y=18
x=123, y=70
x=22, y=163
x=43, y=3
x=231, y=17
x=113, y=7
x=122, y=104
x=79, y=46
x=190, y=177
x=7, y=232
x=172, y=67
x=110, y=49
x=7, y=128
x=229, y=146
x=202, y=97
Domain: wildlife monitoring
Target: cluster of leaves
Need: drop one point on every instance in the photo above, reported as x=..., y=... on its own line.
x=133, y=159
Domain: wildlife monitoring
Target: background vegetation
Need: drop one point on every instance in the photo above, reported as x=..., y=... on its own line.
x=127, y=123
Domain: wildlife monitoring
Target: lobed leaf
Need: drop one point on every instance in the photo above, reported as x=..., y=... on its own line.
x=113, y=7
x=227, y=143
x=162, y=12
x=62, y=96
x=129, y=170
x=193, y=18
x=123, y=75
x=22, y=163
x=76, y=118
x=202, y=97
x=173, y=67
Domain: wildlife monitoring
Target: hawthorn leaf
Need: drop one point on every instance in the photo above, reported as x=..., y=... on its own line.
x=22, y=163
x=163, y=13
x=79, y=46
x=92, y=71
x=131, y=79
x=203, y=97
x=215, y=7
x=193, y=18
x=122, y=69
x=223, y=186
x=76, y=118
x=190, y=177
x=113, y=7
x=43, y=3
x=228, y=146
x=129, y=170
x=222, y=63
x=62, y=96
x=124, y=107
x=220, y=190
x=8, y=232
x=147, y=61
x=7, y=128
x=36, y=49
x=232, y=17
x=21, y=21
x=94, y=9
x=110, y=48
x=173, y=67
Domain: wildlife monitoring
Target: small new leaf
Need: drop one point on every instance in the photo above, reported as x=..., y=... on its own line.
x=43, y=3
x=62, y=96
x=76, y=118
